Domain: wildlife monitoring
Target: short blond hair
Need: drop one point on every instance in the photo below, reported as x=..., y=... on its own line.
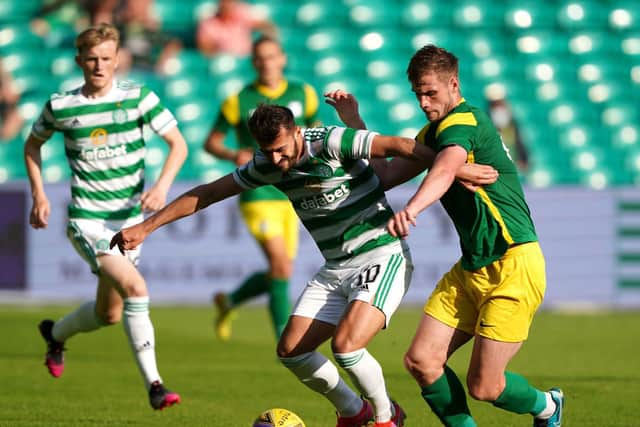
x=95, y=35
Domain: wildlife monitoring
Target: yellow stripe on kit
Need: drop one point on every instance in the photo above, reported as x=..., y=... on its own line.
x=456, y=119
x=496, y=214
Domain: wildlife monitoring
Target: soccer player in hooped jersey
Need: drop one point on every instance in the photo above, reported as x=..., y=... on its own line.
x=492, y=293
x=340, y=200
x=266, y=211
x=102, y=125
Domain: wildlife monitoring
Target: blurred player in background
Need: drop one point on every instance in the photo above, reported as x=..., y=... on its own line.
x=266, y=210
x=336, y=193
x=493, y=292
x=102, y=123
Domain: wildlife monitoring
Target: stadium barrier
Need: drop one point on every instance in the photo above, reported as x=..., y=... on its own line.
x=591, y=240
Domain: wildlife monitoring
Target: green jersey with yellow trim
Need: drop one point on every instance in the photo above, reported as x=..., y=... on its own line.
x=497, y=215
x=300, y=98
x=104, y=144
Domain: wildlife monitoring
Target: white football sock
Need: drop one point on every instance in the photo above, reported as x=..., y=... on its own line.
x=366, y=374
x=549, y=409
x=320, y=375
x=82, y=319
x=139, y=329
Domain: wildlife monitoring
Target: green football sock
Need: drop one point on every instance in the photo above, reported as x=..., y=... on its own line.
x=448, y=401
x=254, y=285
x=518, y=396
x=279, y=304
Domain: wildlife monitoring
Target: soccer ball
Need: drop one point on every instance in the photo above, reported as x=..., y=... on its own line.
x=278, y=417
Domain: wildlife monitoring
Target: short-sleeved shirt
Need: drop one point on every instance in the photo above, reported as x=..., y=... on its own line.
x=299, y=97
x=333, y=189
x=497, y=215
x=104, y=144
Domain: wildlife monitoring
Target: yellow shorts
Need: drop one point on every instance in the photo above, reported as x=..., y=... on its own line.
x=497, y=301
x=268, y=219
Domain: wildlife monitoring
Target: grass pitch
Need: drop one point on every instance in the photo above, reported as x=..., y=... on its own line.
x=594, y=358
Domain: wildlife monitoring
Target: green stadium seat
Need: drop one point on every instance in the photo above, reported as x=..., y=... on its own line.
x=629, y=46
x=575, y=15
x=330, y=38
x=18, y=35
x=281, y=15
x=196, y=110
x=186, y=62
x=623, y=15
x=452, y=41
x=320, y=14
x=177, y=18
x=483, y=43
x=18, y=10
x=373, y=14
x=225, y=66
x=586, y=44
x=541, y=42
x=476, y=14
x=527, y=15
x=425, y=14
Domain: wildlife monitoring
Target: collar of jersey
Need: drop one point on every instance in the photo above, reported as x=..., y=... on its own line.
x=272, y=93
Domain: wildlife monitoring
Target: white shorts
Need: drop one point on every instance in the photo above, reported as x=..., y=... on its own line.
x=91, y=238
x=380, y=277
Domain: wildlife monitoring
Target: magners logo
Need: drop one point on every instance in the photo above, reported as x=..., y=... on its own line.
x=98, y=136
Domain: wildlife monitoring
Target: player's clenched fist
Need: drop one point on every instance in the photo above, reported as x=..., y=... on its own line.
x=128, y=238
x=399, y=225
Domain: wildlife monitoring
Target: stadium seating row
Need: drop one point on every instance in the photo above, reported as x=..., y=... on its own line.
x=571, y=70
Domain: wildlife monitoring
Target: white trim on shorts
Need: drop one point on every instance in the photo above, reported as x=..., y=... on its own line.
x=90, y=238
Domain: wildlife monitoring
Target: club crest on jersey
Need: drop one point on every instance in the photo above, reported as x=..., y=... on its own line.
x=120, y=116
x=321, y=170
x=98, y=136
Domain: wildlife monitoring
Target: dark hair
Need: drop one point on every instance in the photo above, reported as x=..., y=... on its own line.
x=267, y=120
x=431, y=58
x=264, y=39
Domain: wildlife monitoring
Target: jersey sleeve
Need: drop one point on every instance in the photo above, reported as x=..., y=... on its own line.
x=229, y=115
x=256, y=173
x=45, y=124
x=456, y=129
x=154, y=113
x=311, y=106
x=347, y=143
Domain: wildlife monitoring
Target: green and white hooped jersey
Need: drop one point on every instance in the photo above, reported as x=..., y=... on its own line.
x=104, y=145
x=333, y=189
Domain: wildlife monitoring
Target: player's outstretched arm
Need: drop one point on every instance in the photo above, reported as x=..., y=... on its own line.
x=187, y=204
x=434, y=185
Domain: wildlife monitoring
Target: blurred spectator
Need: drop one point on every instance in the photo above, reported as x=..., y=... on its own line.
x=502, y=117
x=75, y=13
x=10, y=118
x=231, y=29
x=143, y=45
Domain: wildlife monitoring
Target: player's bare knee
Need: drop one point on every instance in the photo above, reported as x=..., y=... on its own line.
x=285, y=349
x=281, y=269
x=425, y=372
x=485, y=391
x=136, y=288
x=109, y=317
x=343, y=342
